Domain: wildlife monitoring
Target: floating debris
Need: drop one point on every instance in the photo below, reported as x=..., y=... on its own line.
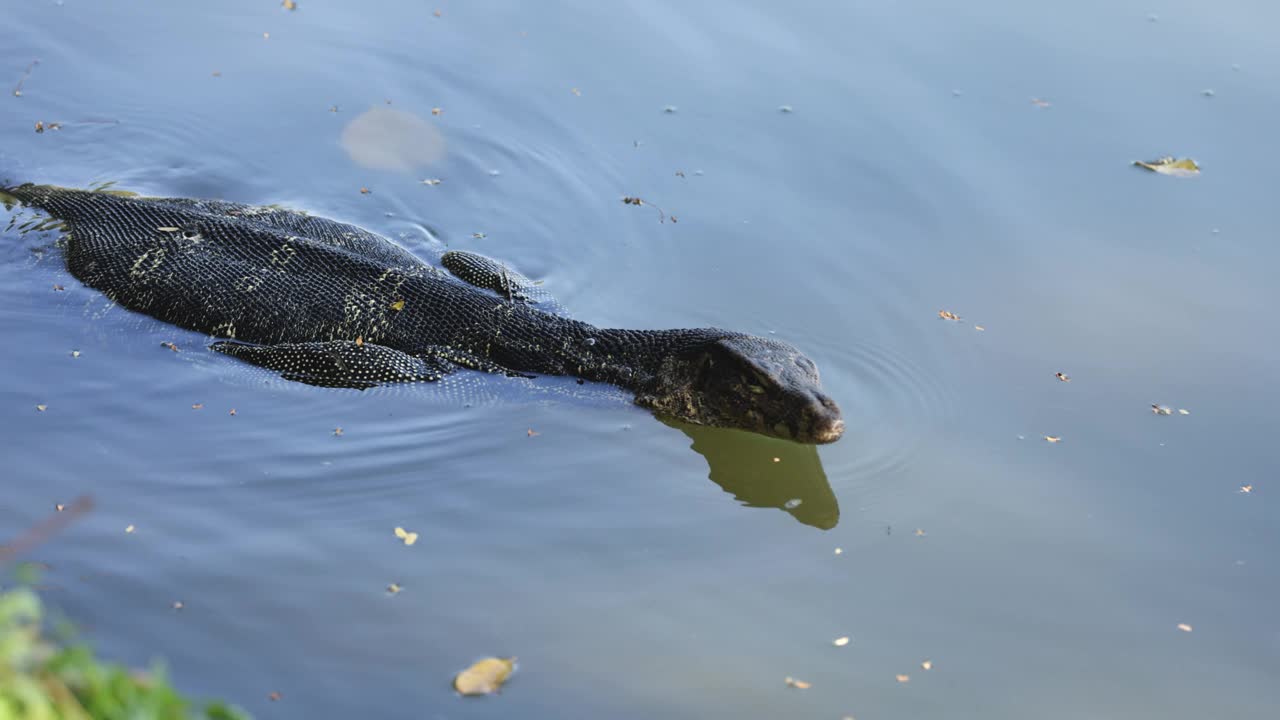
x=1063, y=377
x=785, y=109
x=630, y=200
x=1208, y=92
x=576, y=91
x=1246, y=489
x=485, y=677
x=792, y=504
x=1161, y=410
x=1186, y=167
x=532, y=433
x=797, y=684
x=1053, y=438
x=178, y=605
x=1183, y=411
x=397, y=305
x=17, y=89
x=130, y=529
x=393, y=589
x=920, y=532
x=365, y=191
x=670, y=109
x=839, y=551
x=840, y=641
x=170, y=346
x=232, y=412
x=1184, y=627
x=1040, y=103
x=337, y=431
x=407, y=537
x=289, y=5
x=903, y=678
x=59, y=288
x=274, y=696
x=432, y=181
x=948, y=315
x=927, y=664
x=979, y=328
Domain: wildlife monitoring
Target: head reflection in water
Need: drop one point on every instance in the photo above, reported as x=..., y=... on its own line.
x=744, y=465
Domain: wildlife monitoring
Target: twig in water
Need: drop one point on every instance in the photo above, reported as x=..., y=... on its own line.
x=17, y=89
x=45, y=529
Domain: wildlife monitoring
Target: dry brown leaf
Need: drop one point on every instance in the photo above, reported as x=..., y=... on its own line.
x=485, y=676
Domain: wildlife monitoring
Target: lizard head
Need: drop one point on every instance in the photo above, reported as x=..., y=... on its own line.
x=746, y=382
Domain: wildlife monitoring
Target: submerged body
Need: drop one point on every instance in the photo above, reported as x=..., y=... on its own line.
x=332, y=304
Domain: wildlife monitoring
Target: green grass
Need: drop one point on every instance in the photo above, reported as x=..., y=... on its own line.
x=43, y=679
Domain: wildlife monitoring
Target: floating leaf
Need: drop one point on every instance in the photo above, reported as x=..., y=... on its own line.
x=798, y=684
x=1186, y=167
x=485, y=677
x=397, y=305
x=409, y=538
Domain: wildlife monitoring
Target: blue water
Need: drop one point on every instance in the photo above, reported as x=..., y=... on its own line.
x=838, y=173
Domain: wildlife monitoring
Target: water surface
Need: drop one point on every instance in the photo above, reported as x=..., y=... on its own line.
x=838, y=173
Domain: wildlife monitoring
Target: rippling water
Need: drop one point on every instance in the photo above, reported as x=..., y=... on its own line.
x=838, y=173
